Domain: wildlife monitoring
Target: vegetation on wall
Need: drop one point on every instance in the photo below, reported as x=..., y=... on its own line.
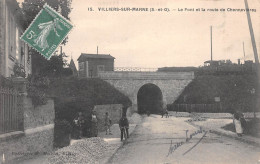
x=18, y=71
x=6, y=83
x=37, y=87
x=94, y=91
x=236, y=92
x=73, y=95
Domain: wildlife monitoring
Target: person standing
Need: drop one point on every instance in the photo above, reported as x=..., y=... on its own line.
x=148, y=113
x=237, y=123
x=108, y=123
x=162, y=112
x=124, y=125
x=167, y=113
x=79, y=122
x=243, y=122
x=94, y=125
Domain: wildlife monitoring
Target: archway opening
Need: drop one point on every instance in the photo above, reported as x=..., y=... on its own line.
x=149, y=98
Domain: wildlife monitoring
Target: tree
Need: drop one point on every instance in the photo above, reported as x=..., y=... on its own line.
x=32, y=7
x=51, y=68
x=39, y=64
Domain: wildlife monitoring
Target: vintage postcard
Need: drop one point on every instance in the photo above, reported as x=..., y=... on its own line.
x=129, y=81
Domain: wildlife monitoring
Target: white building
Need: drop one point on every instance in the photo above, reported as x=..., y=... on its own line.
x=12, y=48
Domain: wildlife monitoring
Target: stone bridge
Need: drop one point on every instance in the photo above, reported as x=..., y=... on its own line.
x=149, y=90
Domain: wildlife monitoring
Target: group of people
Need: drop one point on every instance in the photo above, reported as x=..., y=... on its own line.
x=238, y=120
x=80, y=125
x=80, y=122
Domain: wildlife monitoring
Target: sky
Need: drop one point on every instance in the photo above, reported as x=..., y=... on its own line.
x=162, y=39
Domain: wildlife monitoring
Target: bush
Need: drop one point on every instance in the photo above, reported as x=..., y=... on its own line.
x=92, y=91
x=73, y=95
x=37, y=87
x=18, y=71
x=6, y=83
x=62, y=132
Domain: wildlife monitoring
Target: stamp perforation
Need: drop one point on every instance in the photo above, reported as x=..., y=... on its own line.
x=31, y=24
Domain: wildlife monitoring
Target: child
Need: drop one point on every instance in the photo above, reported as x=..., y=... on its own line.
x=79, y=122
x=108, y=123
x=167, y=114
x=94, y=125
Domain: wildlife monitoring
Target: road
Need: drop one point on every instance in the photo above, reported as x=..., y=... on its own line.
x=163, y=141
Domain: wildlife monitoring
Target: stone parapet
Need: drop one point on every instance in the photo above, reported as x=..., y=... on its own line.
x=147, y=75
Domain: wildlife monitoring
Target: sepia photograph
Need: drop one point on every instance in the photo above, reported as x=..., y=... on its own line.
x=129, y=82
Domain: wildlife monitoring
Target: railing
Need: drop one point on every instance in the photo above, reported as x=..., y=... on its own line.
x=9, y=113
x=199, y=108
x=134, y=69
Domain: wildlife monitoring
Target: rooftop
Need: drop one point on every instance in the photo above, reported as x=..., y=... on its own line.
x=96, y=56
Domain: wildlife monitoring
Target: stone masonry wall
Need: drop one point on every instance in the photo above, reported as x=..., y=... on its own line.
x=38, y=134
x=39, y=115
x=170, y=83
x=171, y=89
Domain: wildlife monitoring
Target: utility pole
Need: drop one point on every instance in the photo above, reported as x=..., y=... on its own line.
x=255, y=53
x=244, y=52
x=61, y=50
x=211, y=43
x=251, y=33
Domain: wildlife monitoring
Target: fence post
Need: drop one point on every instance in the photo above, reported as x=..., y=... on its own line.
x=20, y=86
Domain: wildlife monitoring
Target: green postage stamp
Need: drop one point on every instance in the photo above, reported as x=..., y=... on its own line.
x=47, y=31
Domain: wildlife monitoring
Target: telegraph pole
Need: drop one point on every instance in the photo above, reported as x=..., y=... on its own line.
x=61, y=50
x=211, y=43
x=251, y=33
x=255, y=52
x=244, y=52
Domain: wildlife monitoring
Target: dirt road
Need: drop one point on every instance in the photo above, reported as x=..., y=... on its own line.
x=172, y=140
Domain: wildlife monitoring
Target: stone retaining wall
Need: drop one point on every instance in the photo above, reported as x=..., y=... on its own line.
x=38, y=130
x=39, y=115
x=37, y=136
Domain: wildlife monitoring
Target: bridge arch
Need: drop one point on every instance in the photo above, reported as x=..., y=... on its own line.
x=171, y=84
x=149, y=98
